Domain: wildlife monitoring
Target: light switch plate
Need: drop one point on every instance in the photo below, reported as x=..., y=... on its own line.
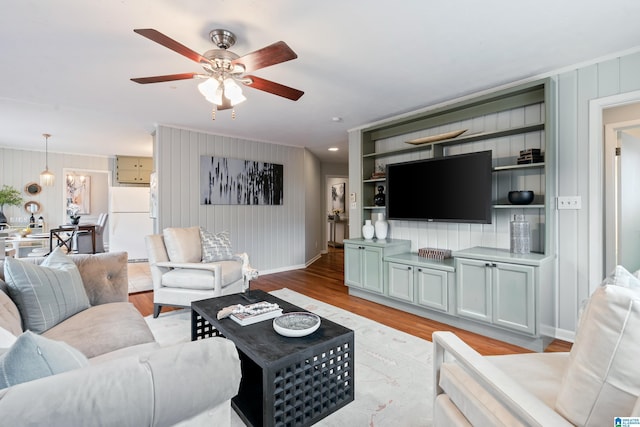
x=569, y=202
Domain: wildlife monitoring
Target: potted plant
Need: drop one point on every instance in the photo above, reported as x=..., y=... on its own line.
x=8, y=196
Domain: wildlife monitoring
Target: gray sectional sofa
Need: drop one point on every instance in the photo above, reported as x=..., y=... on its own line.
x=127, y=379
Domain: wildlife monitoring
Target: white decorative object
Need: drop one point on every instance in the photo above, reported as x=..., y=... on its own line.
x=382, y=227
x=297, y=324
x=368, y=230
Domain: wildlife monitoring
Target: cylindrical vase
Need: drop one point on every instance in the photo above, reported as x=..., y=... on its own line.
x=520, y=235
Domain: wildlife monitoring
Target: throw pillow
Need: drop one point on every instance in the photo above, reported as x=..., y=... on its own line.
x=183, y=244
x=33, y=356
x=598, y=384
x=45, y=294
x=215, y=246
x=621, y=277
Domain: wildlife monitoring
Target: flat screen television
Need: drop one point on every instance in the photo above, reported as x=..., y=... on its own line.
x=445, y=189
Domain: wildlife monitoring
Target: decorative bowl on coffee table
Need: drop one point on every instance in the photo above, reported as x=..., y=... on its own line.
x=296, y=324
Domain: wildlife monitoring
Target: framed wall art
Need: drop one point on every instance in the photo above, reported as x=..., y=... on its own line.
x=225, y=181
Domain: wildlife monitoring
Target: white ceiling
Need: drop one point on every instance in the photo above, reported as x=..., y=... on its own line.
x=66, y=64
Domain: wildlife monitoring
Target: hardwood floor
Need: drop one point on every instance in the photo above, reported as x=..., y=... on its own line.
x=324, y=281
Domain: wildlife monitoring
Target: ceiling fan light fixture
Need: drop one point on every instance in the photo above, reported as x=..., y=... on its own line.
x=233, y=92
x=209, y=89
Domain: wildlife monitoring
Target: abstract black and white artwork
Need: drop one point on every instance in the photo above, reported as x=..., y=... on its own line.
x=225, y=181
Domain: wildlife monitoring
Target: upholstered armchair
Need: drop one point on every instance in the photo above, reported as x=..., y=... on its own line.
x=190, y=264
x=597, y=381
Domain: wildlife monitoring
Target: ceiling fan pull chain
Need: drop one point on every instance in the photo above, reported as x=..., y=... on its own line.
x=213, y=112
x=233, y=114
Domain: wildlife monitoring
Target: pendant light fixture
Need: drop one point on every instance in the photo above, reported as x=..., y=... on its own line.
x=46, y=177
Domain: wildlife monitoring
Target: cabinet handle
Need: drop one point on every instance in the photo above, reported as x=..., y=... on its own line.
x=420, y=270
x=490, y=264
x=486, y=264
x=409, y=267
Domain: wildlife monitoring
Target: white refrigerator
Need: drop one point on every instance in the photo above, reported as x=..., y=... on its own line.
x=129, y=221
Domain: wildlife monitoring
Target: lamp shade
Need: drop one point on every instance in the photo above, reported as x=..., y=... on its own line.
x=47, y=178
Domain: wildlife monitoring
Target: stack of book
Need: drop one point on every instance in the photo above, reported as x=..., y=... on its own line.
x=531, y=155
x=257, y=312
x=378, y=175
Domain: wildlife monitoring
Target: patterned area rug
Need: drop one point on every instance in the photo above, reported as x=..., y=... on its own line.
x=393, y=370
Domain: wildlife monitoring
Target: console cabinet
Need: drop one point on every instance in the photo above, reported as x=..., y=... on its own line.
x=424, y=282
x=363, y=266
x=498, y=293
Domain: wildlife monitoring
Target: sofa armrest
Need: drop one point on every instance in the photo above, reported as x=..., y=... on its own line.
x=517, y=400
x=211, y=266
x=160, y=388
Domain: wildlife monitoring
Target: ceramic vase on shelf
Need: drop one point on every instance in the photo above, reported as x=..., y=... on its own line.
x=367, y=230
x=382, y=227
x=520, y=235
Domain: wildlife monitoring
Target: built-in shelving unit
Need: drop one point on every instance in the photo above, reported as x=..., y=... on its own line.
x=485, y=289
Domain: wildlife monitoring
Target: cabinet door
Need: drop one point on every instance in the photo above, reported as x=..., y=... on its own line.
x=353, y=265
x=432, y=286
x=514, y=297
x=128, y=176
x=400, y=281
x=474, y=289
x=372, y=277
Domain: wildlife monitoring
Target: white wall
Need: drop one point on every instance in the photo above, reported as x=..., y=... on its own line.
x=276, y=238
x=576, y=88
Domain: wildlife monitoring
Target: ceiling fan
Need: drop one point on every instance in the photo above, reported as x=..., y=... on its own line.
x=224, y=70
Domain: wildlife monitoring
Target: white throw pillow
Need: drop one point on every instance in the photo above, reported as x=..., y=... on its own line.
x=215, y=246
x=183, y=244
x=602, y=380
x=621, y=277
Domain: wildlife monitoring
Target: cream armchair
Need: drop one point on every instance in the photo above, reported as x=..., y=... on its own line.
x=589, y=386
x=190, y=264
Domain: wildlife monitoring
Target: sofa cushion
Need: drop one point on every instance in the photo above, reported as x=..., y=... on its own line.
x=183, y=244
x=597, y=385
x=7, y=339
x=33, y=356
x=196, y=278
x=103, y=328
x=215, y=246
x=46, y=294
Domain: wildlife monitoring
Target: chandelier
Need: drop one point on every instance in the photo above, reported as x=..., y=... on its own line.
x=46, y=177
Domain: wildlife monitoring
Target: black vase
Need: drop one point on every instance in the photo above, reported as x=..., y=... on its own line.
x=3, y=220
x=75, y=221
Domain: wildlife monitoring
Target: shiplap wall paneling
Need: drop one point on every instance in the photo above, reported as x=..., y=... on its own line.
x=273, y=236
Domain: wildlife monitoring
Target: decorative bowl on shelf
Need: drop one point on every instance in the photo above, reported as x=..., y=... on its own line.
x=296, y=324
x=520, y=197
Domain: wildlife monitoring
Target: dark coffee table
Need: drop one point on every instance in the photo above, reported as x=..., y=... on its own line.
x=285, y=381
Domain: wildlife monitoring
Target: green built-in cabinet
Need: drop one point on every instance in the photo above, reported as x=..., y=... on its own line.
x=483, y=288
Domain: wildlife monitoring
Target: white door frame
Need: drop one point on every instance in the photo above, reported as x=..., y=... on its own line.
x=596, y=181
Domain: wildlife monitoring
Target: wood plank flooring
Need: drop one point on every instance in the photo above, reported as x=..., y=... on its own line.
x=324, y=281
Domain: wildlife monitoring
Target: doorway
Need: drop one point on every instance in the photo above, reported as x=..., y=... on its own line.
x=603, y=237
x=622, y=201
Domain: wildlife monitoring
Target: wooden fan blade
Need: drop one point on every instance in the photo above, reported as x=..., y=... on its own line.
x=274, y=88
x=167, y=78
x=270, y=55
x=168, y=42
